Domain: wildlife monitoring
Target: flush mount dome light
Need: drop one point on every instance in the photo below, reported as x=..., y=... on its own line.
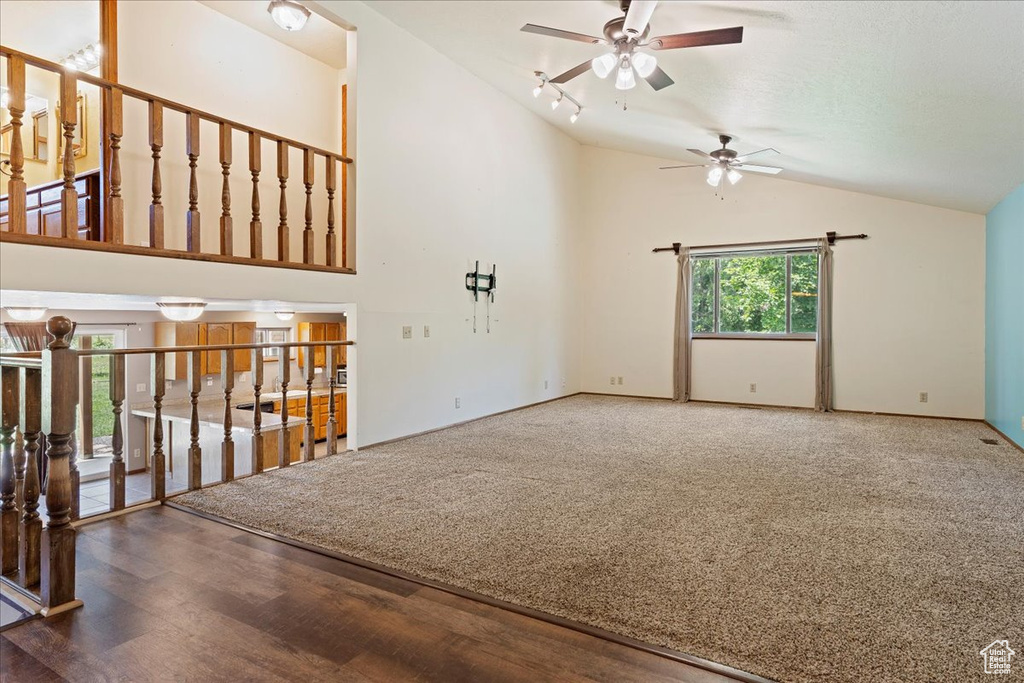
x=288, y=14
x=25, y=313
x=284, y=315
x=182, y=311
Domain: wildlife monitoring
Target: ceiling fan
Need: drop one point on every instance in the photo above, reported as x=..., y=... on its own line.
x=627, y=33
x=724, y=163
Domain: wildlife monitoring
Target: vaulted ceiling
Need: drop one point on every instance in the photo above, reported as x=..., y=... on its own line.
x=922, y=101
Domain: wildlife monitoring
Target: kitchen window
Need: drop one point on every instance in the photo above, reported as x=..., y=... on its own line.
x=762, y=295
x=272, y=335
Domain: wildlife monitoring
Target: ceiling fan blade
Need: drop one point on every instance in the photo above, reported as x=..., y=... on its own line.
x=744, y=157
x=659, y=79
x=638, y=16
x=759, y=169
x=718, y=36
x=572, y=73
x=700, y=153
x=559, y=33
x=665, y=168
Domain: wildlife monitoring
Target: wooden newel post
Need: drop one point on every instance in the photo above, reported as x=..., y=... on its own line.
x=60, y=410
x=31, y=528
x=9, y=397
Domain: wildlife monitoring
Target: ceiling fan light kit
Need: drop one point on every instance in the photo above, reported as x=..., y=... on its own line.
x=725, y=163
x=626, y=35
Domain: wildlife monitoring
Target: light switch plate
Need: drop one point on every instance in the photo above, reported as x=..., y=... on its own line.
x=140, y=388
x=407, y=332
x=426, y=330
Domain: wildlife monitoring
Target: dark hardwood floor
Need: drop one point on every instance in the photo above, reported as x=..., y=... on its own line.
x=171, y=596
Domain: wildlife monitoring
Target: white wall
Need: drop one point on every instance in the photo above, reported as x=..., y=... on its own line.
x=449, y=171
x=909, y=301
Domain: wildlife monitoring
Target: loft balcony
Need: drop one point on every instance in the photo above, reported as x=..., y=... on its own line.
x=279, y=202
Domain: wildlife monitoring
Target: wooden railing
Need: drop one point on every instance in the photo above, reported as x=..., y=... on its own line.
x=40, y=403
x=319, y=252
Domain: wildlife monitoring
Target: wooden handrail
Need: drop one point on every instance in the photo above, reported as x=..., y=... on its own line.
x=169, y=104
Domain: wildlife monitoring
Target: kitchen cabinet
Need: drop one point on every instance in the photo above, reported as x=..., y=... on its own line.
x=322, y=332
x=321, y=413
x=214, y=334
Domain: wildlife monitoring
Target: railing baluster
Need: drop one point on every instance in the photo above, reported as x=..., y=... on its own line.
x=158, y=478
x=307, y=179
x=284, y=440
x=10, y=396
x=115, y=203
x=332, y=239
x=30, y=529
x=255, y=225
x=17, y=212
x=192, y=236
x=226, y=238
x=282, y=176
x=117, y=467
x=60, y=399
x=257, y=414
x=227, y=449
x=309, y=440
x=156, y=143
x=195, y=453
x=332, y=422
x=68, y=121
x=76, y=477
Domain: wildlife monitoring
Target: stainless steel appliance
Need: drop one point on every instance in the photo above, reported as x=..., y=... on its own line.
x=342, y=378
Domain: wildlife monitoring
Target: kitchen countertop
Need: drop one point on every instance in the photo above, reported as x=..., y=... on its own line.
x=211, y=412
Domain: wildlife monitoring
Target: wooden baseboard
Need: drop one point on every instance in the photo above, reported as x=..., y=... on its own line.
x=466, y=422
x=667, y=653
x=1008, y=439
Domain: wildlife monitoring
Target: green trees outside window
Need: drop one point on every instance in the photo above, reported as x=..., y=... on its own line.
x=756, y=294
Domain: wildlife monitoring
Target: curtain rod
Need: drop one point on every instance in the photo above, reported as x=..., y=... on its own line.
x=832, y=238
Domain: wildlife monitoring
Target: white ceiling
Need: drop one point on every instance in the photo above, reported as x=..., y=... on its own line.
x=922, y=101
x=131, y=302
x=319, y=38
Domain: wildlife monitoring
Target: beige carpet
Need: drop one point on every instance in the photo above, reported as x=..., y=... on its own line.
x=794, y=545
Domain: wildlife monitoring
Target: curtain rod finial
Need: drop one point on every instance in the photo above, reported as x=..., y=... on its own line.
x=676, y=246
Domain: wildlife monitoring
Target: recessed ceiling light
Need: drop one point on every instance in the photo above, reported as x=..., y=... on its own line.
x=284, y=315
x=182, y=311
x=25, y=313
x=288, y=14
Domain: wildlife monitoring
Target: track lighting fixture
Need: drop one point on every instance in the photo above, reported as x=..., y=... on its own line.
x=559, y=95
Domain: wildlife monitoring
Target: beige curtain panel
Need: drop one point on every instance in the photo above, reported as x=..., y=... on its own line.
x=681, y=374
x=823, y=361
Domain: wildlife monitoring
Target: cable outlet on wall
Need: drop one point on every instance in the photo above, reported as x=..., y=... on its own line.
x=923, y=397
x=753, y=387
x=209, y=381
x=458, y=402
x=407, y=332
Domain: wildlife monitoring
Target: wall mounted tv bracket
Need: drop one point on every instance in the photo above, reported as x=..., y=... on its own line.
x=478, y=282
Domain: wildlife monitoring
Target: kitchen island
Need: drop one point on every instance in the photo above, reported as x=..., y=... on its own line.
x=177, y=419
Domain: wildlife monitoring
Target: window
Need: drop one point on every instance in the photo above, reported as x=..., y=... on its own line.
x=757, y=294
x=272, y=335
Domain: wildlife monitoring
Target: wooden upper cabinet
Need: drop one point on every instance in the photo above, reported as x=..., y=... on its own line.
x=180, y=334
x=213, y=334
x=322, y=332
x=216, y=334
x=243, y=333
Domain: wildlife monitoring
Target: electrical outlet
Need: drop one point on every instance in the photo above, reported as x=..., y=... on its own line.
x=426, y=331
x=244, y=377
x=563, y=386
x=613, y=381
x=137, y=453
x=458, y=402
x=545, y=384
x=407, y=332
x=141, y=387
x=620, y=380
x=753, y=387
x=923, y=397
x=209, y=381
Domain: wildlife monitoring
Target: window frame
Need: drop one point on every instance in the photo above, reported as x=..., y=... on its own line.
x=273, y=354
x=717, y=257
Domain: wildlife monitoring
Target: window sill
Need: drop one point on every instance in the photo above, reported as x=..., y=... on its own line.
x=768, y=337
